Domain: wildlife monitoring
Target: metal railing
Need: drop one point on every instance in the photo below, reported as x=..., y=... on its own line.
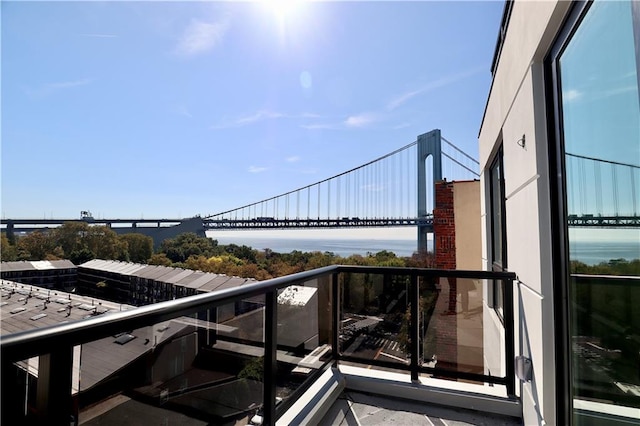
x=358, y=315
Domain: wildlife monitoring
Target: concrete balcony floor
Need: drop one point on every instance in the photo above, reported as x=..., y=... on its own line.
x=355, y=409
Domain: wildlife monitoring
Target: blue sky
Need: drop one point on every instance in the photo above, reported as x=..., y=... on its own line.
x=155, y=109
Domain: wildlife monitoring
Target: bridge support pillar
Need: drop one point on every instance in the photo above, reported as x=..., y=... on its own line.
x=10, y=232
x=428, y=144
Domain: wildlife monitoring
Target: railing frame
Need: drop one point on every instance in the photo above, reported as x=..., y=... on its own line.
x=48, y=341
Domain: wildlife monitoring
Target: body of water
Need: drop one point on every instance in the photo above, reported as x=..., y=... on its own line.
x=589, y=252
x=594, y=252
x=341, y=247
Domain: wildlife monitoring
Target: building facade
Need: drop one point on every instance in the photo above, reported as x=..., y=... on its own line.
x=138, y=284
x=560, y=159
x=53, y=274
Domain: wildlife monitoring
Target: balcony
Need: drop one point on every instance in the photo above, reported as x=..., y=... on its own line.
x=287, y=350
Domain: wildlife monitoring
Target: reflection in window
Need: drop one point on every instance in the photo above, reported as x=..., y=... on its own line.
x=601, y=132
x=498, y=241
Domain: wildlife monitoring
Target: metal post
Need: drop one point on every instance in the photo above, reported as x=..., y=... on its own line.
x=335, y=318
x=428, y=144
x=53, y=399
x=270, y=357
x=509, y=335
x=415, y=329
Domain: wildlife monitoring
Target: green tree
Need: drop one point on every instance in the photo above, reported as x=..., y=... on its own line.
x=8, y=251
x=160, y=259
x=104, y=243
x=179, y=249
x=139, y=247
x=253, y=369
x=71, y=236
x=36, y=245
x=78, y=257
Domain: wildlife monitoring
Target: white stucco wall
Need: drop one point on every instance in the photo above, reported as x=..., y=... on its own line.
x=516, y=107
x=466, y=213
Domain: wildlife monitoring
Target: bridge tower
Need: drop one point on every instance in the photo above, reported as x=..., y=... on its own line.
x=428, y=144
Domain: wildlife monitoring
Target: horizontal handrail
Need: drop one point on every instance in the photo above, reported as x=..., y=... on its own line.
x=432, y=273
x=618, y=278
x=25, y=344
x=22, y=345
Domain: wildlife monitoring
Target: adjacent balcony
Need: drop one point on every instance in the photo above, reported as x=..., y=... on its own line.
x=279, y=351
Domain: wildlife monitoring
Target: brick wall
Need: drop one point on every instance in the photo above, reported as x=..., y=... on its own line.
x=444, y=226
x=445, y=319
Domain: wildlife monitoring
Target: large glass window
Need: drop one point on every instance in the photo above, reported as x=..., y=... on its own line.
x=597, y=71
x=498, y=225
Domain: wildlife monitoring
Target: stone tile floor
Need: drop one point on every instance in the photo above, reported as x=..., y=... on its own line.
x=355, y=409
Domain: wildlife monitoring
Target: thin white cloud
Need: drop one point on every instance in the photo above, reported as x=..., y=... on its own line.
x=319, y=126
x=258, y=116
x=261, y=115
x=571, y=95
x=200, y=36
x=51, y=88
x=436, y=84
x=254, y=169
x=99, y=35
x=292, y=159
x=620, y=90
x=360, y=120
x=184, y=111
x=402, y=126
x=353, y=121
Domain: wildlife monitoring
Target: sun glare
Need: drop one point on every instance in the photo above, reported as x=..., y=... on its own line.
x=282, y=8
x=288, y=15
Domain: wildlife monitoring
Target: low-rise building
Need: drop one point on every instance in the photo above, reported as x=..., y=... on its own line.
x=138, y=284
x=57, y=274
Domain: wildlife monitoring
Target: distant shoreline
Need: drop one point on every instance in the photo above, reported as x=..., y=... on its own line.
x=588, y=252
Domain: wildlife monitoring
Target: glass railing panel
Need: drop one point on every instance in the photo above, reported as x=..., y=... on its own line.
x=451, y=328
x=303, y=334
x=19, y=392
x=606, y=339
x=375, y=318
x=205, y=367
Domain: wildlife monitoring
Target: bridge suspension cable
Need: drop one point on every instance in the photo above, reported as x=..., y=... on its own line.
x=601, y=192
x=384, y=188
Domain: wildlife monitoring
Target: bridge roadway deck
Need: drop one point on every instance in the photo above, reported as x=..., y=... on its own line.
x=274, y=223
x=27, y=225
x=591, y=221
x=45, y=222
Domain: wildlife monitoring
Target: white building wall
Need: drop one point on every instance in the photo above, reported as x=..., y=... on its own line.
x=516, y=107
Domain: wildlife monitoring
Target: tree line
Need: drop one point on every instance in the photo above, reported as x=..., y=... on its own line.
x=79, y=242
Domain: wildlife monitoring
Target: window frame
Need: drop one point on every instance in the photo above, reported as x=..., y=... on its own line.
x=499, y=265
x=559, y=204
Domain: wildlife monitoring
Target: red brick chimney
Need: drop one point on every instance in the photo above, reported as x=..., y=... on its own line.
x=444, y=226
x=446, y=322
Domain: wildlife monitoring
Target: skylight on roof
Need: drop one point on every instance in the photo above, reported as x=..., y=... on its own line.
x=37, y=317
x=17, y=310
x=124, y=339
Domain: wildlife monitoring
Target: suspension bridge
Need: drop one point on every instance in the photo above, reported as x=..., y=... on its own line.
x=396, y=189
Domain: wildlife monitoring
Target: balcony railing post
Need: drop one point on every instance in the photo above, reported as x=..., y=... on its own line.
x=53, y=400
x=270, y=357
x=414, y=292
x=509, y=335
x=335, y=318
